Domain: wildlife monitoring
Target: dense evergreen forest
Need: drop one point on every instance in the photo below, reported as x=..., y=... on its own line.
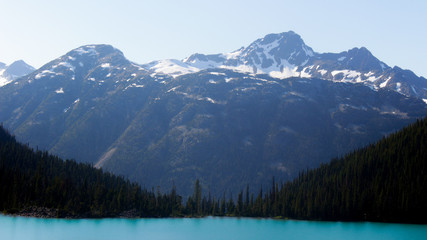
x=35, y=178
x=386, y=181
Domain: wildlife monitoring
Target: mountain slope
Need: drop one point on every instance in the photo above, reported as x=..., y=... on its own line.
x=251, y=128
x=72, y=89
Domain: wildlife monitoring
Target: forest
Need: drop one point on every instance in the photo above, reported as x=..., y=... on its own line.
x=385, y=181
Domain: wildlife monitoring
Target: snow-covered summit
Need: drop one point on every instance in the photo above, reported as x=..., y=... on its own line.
x=78, y=62
x=272, y=54
x=280, y=55
x=285, y=55
x=17, y=69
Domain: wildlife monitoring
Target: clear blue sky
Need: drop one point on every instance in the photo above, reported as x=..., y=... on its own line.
x=38, y=31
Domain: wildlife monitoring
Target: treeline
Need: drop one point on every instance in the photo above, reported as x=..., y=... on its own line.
x=386, y=181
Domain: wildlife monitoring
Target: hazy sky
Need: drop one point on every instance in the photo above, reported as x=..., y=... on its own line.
x=38, y=31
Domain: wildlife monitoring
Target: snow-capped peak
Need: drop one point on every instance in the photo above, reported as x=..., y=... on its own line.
x=278, y=47
x=17, y=69
x=283, y=55
x=276, y=54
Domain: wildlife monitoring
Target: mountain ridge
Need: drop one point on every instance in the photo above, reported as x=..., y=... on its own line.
x=285, y=55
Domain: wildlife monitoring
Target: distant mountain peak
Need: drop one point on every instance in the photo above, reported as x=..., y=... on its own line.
x=362, y=52
x=87, y=56
x=8, y=73
x=277, y=54
x=284, y=55
x=275, y=49
x=19, y=68
x=285, y=40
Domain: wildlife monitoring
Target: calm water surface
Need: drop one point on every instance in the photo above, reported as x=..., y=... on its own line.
x=22, y=228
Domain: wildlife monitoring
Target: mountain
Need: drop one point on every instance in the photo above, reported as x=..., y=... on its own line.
x=171, y=122
x=17, y=69
x=286, y=55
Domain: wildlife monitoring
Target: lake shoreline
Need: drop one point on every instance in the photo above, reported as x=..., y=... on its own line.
x=44, y=212
x=52, y=213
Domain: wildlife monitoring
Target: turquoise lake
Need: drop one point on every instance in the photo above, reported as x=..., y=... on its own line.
x=22, y=228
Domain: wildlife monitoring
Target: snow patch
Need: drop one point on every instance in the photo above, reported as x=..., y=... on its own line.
x=227, y=80
x=247, y=89
x=173, y=89
x=210, y=100
x=65, y=64
x=4, y=81
x=285, y=73
x=240, y=68
x=348, y=76
x=322, y=71
x=88, y=50
x=370, y=73
x=341, y=59
x=44, y=73
x=171, y=67
x=105, y=65
x=425, y=100
x=59, y=91
x=134, y=85
x=384, y=84
x=203, y=64
x=304, y=73
x=234, y=55
x=74, y=103
x=217, y=73
x=398, y=87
